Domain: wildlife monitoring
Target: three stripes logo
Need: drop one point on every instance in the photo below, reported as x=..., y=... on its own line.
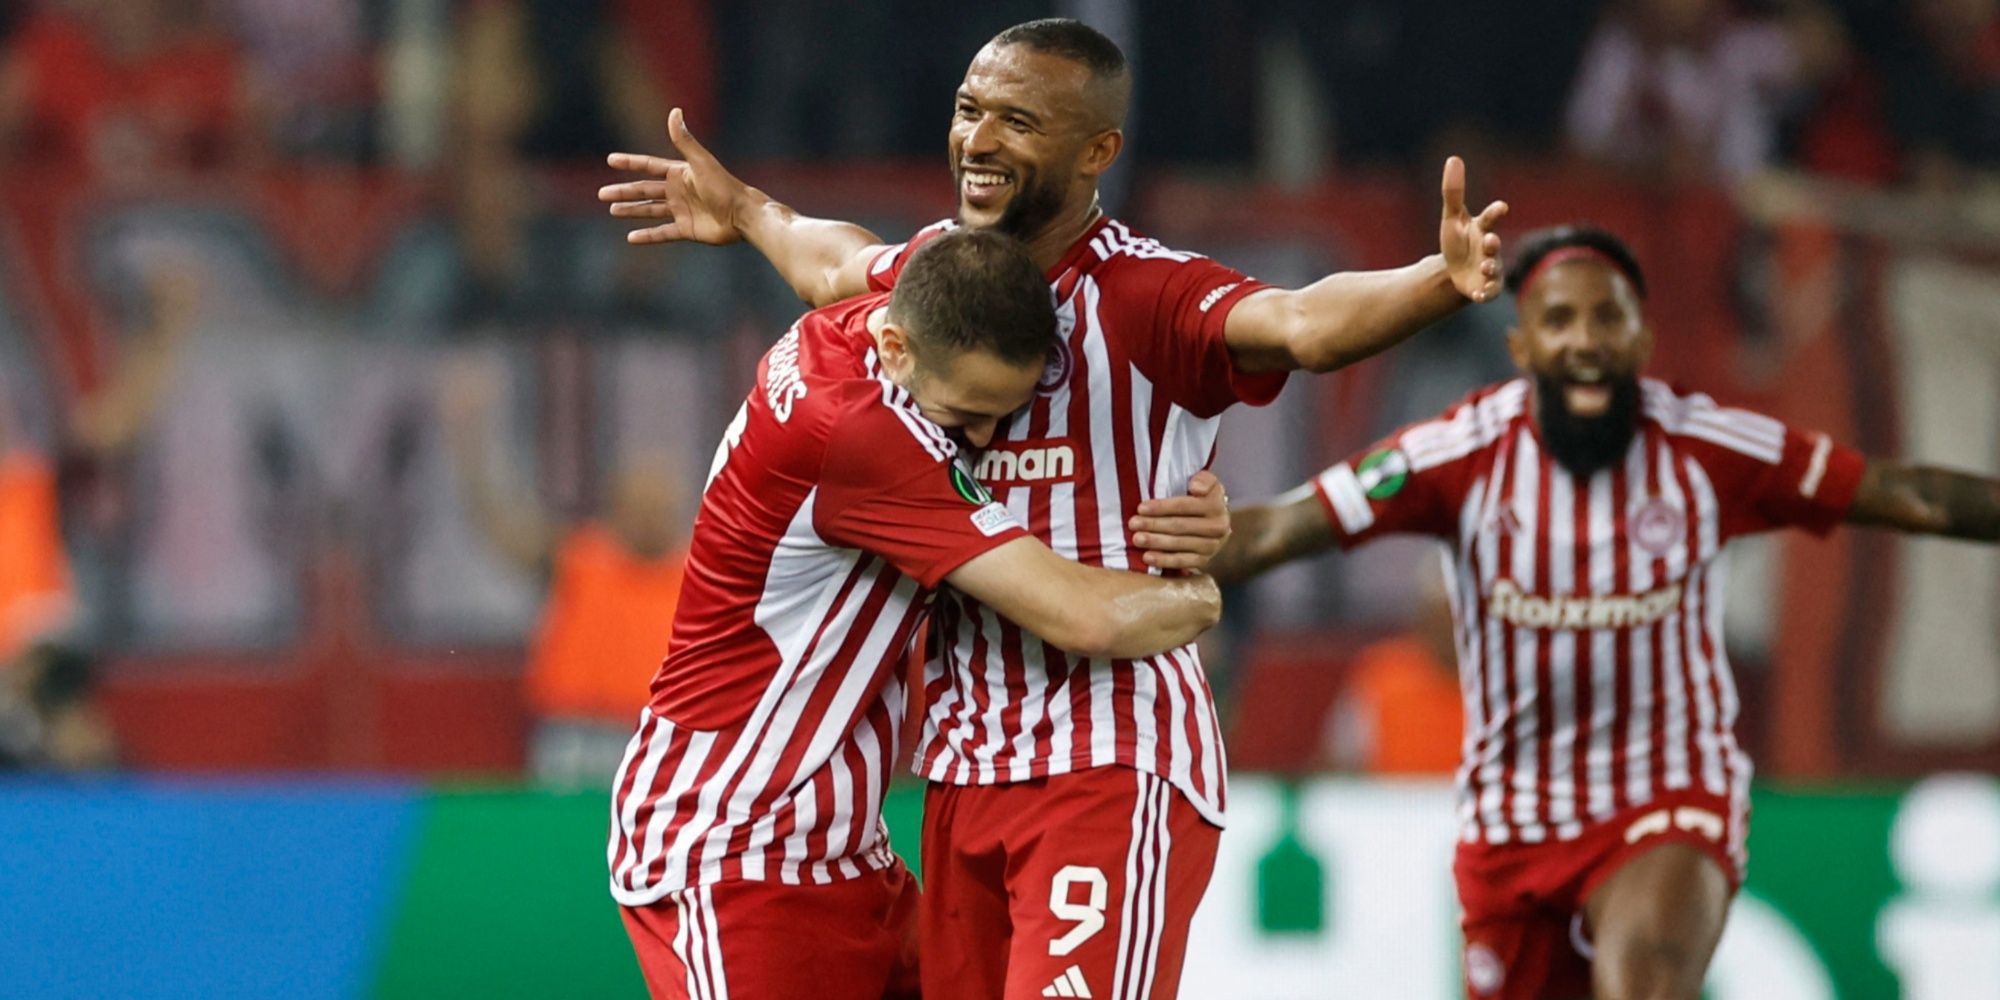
x=1069, y=984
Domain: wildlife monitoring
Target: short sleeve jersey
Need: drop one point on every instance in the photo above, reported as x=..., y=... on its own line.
x=832, y=510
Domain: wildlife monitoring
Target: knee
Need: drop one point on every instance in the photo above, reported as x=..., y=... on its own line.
x=1650, y=968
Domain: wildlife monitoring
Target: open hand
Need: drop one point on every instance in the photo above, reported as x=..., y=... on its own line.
x=1470, y=246
x=696, y=196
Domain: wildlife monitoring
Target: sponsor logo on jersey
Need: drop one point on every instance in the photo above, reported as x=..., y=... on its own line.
x=1383, y=473
x=782, y=384
x=967, y=487
x=1208, y=301
x=1658, y=526
x=1022, y=463
x=1509, y=604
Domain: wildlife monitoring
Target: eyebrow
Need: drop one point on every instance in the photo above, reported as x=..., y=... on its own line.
x=1033, y=118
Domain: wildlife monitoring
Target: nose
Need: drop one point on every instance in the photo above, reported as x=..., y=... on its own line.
x=981, y=136
x=980, y=434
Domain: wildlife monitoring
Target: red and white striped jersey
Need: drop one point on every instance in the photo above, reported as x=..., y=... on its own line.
x=1589, y=610
x=831, y=510
x=1127, y=411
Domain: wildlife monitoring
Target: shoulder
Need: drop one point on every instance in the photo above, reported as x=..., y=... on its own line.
x=895, y=254
x=1697, y=418
x=875, y=432
x=1473, y=424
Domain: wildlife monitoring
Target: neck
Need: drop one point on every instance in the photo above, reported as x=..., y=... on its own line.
x=1055, y=241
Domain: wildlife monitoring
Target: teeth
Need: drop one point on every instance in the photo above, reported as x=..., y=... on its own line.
x=987, y=180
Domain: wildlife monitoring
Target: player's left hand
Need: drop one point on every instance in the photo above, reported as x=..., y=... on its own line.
x=1184, y=532
x=1470, y=246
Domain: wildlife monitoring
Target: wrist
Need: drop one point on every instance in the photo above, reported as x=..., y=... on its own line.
x=749, y=205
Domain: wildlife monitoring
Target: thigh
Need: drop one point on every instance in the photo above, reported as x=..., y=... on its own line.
x=1102, y=883
x=1656, y=919
x=747, y=940
x=962, y=919
x=1527, y=957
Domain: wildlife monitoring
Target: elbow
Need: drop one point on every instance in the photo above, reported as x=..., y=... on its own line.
x=1317, y=346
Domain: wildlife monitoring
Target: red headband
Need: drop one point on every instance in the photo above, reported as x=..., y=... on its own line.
x=1567, y=254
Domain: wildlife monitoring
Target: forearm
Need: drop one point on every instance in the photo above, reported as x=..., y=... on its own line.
x=1346, y=317
x=819, y=258
x=1267, y=536
x=1930, y=501
x=1156, y=614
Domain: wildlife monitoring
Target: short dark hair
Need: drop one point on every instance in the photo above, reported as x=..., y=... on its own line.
x=975, y=289
x=1539, y=244
x=1070, y=38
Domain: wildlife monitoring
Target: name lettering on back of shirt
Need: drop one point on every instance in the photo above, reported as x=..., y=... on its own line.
x=782, y=384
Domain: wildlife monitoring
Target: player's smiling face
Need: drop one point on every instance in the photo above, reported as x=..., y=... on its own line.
x=1026, y=144
x=1583, y=334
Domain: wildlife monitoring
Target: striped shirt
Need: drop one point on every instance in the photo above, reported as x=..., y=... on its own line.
x=1589, y=610
x=1127, y=411
x=832, y=509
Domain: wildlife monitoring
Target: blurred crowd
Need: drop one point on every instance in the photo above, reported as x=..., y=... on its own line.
x=501, y=110
x=1880, y=91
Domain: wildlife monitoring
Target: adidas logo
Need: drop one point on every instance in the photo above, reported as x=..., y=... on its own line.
x=1069, y=984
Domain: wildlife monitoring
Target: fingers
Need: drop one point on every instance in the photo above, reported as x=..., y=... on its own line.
x=632, y=191
x=1213, y=506
x=1490, y=219
x=641, y=210
x=669, y=233
x=1175, y=560
x=1454, y=186
x=640, y=163
x=1178, y=542
x=1205, y=527
x=1203, y=483
x=684, y=140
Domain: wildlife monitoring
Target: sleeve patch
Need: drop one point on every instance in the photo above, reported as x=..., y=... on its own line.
x=992, y=519
x=1382, y=474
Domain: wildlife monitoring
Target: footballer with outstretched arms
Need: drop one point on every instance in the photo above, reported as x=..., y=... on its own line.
x=1076, y=800
x=747, y=848
x=1584, y=510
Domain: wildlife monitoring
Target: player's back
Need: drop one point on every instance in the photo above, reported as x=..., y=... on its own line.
x=766, y=745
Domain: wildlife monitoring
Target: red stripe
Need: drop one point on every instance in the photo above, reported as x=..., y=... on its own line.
x=1656, y=752
x=1083, y=513
x=1545, y=710
x=1583, y=670
x=1621, y=676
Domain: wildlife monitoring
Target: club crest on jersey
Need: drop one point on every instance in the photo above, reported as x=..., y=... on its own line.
x=1658, y=526
x=967, y=488
x=1055, y=374
x=1383, y=473
x=1483, y=969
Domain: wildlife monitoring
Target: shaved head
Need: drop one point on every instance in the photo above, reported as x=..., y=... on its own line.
x=1107, y=93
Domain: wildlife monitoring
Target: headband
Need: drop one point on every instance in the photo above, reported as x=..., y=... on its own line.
x=1570, y=253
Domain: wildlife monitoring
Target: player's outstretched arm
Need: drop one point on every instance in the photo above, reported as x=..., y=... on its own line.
x=1267, y=536
x=1927, y=501
x=1343, y=318
x=699, y=200
x=1087, y=611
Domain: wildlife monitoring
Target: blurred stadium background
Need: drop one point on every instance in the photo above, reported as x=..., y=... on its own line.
x=319, y=361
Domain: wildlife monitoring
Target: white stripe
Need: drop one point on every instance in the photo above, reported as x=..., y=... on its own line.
x=992, y=727
x=1562, y=658
x=719, y=985
x=1145, y=470
x=1110, y=512
x=1525, y=486
x=1639, y=562
x=919, y=427
x=1816, y=469
x=1705, y=545
x=1493, y=669
x=1163, y=856
x=683, y=935
x=634, y=891
x=1350, y=501
x=1188, y=660
x=1673, y=666
x=1603, y=650
x=1127, y=905
x=1462, y=591
x=1467, y=429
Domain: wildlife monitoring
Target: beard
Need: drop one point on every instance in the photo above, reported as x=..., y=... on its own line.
x=1035, y=204
x=1584, y=445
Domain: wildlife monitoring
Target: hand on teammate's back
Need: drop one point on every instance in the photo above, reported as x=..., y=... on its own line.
x=697, y=196
x=1184, y=532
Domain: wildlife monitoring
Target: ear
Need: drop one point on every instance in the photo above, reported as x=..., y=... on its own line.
x=1517, y=347
x=892, y=348
x=1102, y=152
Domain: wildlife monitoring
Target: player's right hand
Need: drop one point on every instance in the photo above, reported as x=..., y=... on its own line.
x=697, y=197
